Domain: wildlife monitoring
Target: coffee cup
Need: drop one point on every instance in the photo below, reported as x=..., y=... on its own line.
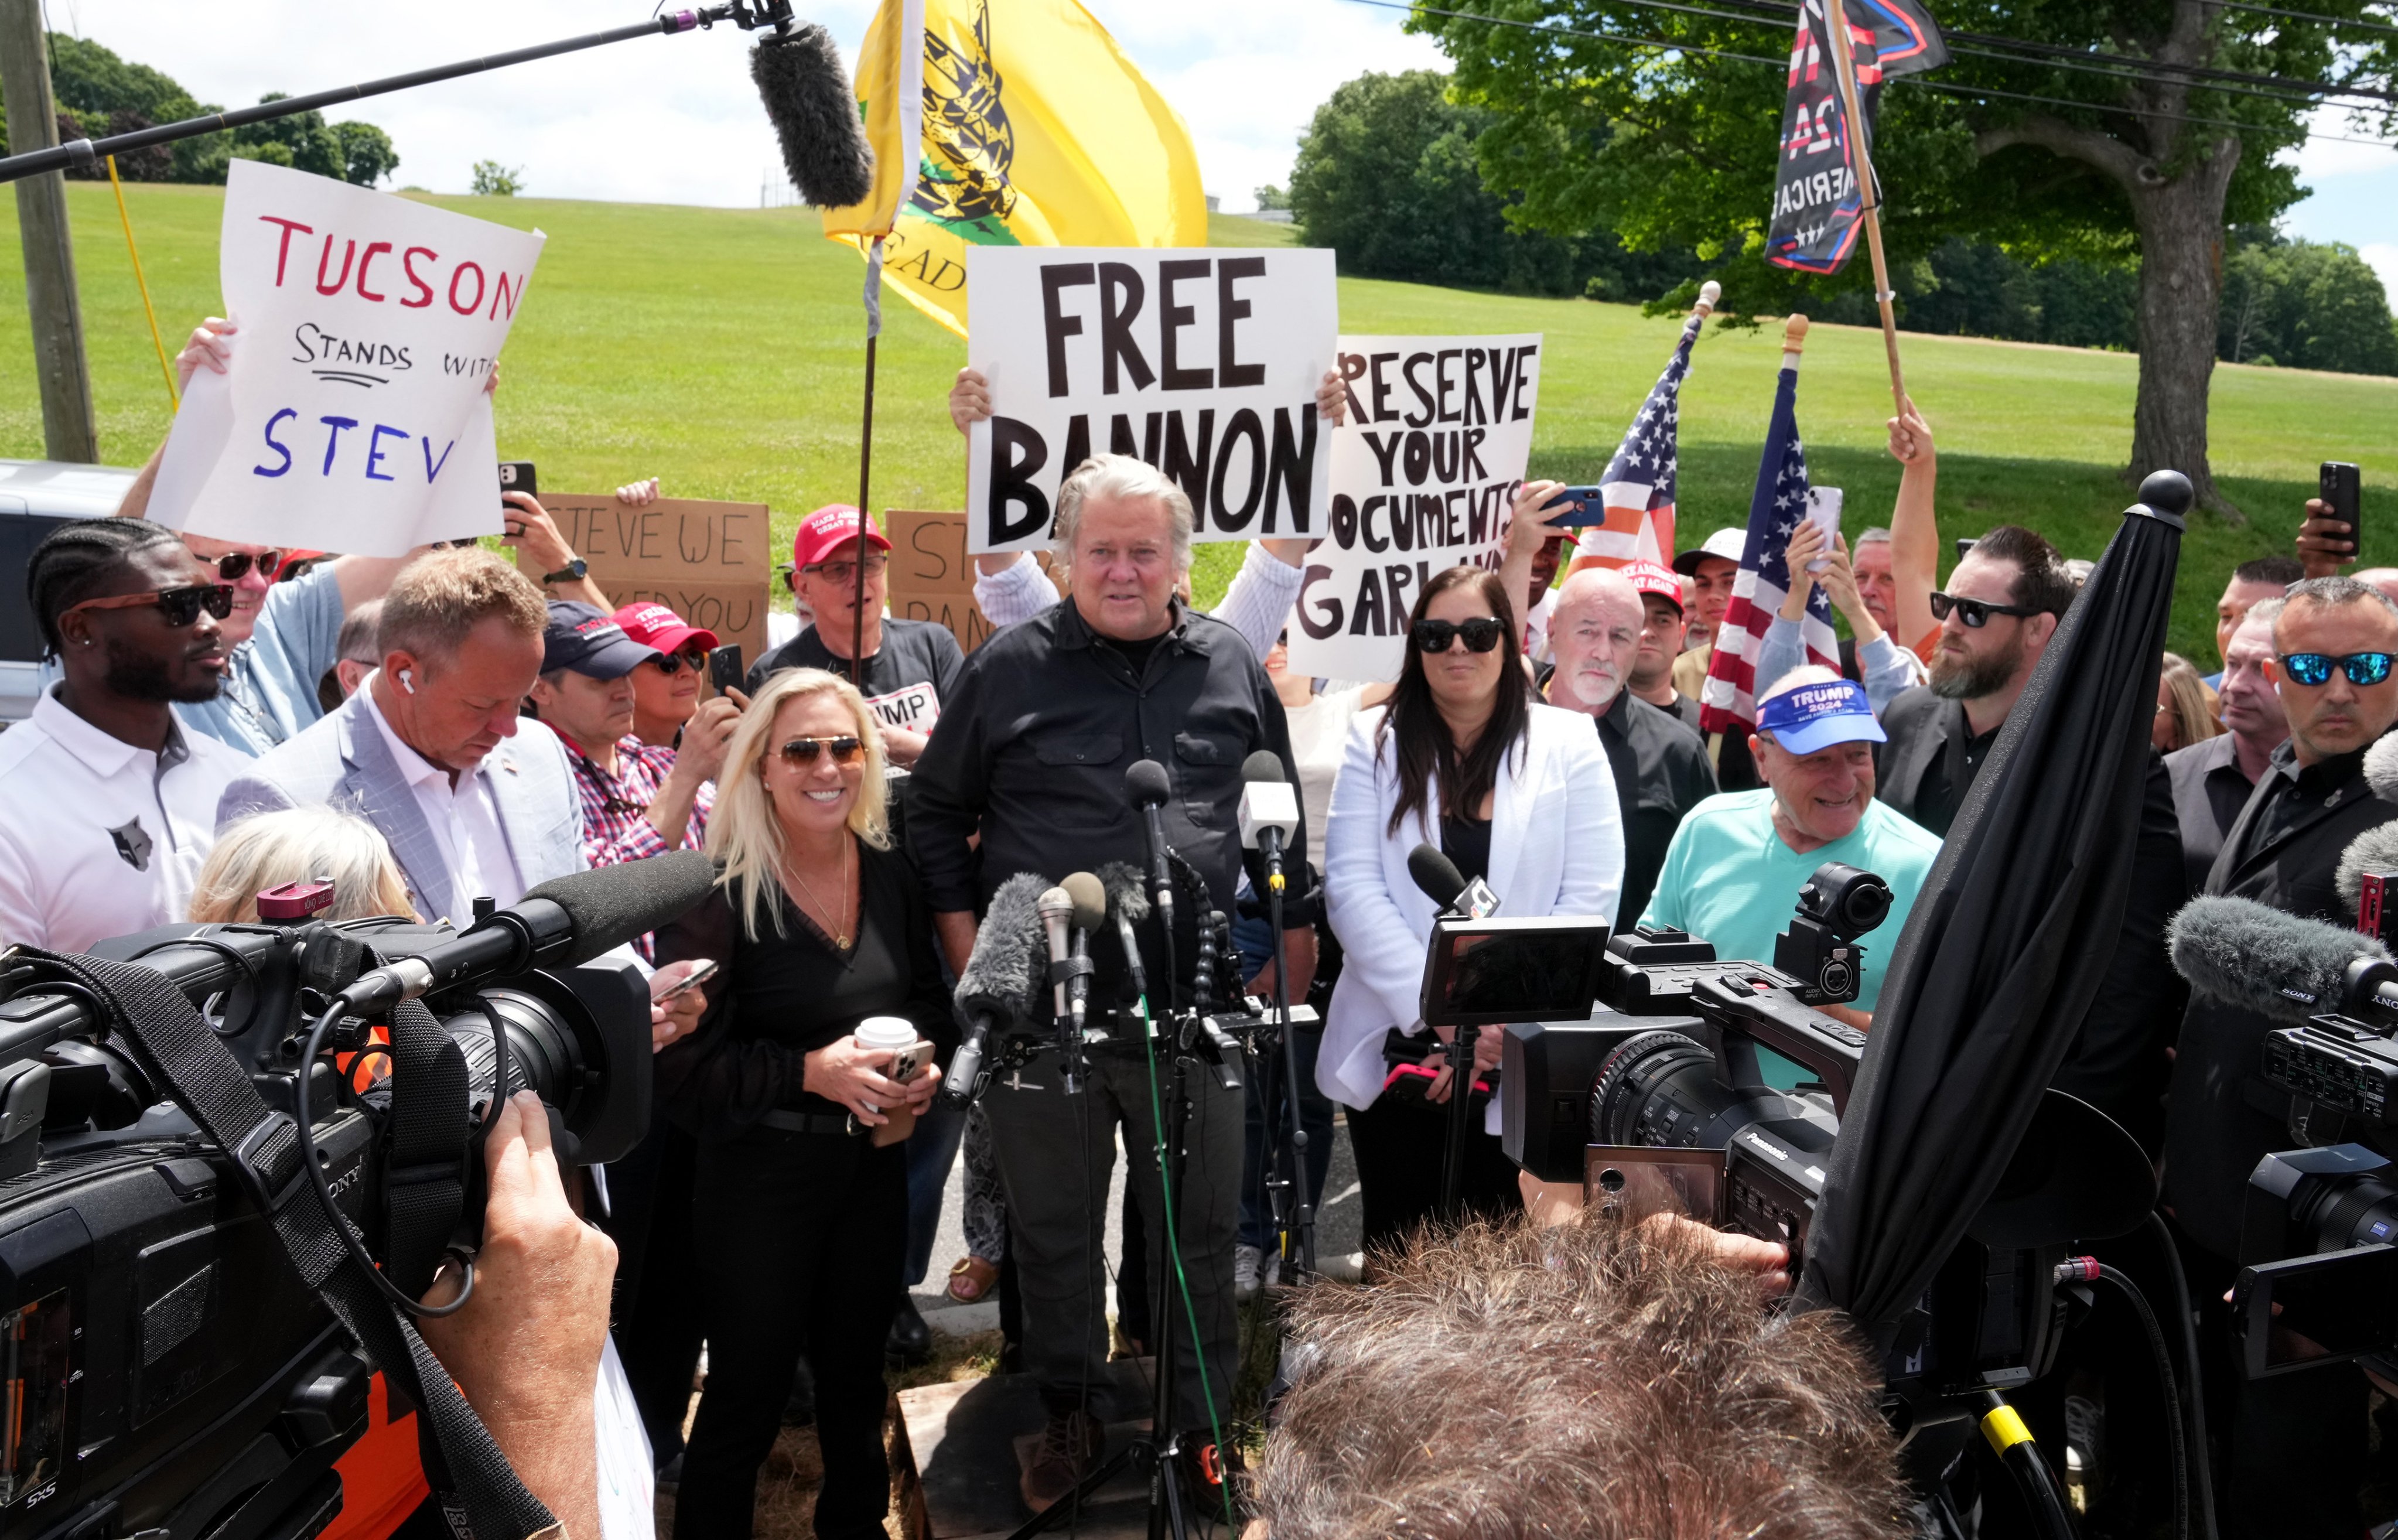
x=897, y=1035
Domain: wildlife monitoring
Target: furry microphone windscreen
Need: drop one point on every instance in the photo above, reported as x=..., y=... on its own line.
x=2246, y=954
x=816, y=117
x=1002, y=973
x=2375, y=850
x=1128, y=890
x=2381, y=767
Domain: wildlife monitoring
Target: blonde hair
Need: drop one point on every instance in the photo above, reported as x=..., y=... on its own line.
x=1124, y=478
x=300, y=845
x=745, y=838
x=442, y=596
x=2185, y=701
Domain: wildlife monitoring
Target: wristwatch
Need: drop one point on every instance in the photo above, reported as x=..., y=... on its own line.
x=573, y=571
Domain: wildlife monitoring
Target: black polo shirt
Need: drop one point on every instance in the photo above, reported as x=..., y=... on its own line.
x=1930, y=731
x=1660, y=773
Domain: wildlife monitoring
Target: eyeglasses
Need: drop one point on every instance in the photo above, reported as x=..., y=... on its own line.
x=235, y=566
x=1481, y=634
x=2313, y=669
x=1974, y=612
x=845, y=749
x=182, y=607
x=846, y=571
x=694, y=657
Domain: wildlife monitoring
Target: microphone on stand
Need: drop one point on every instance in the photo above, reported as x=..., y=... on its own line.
x=1269, y=811
x=999, y=983
x=1440, y=881
x=1127, y=905
x=1147, y=787
x=2245, y=953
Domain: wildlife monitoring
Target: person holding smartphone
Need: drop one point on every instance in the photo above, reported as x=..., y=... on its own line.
x=817, y=923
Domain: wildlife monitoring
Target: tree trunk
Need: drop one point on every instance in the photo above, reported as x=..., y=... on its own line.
x=2180, y=223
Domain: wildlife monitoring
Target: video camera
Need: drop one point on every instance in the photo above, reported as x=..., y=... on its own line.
x=169, y=1371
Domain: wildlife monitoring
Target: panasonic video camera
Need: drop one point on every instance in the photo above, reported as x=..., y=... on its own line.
x=168, y=1372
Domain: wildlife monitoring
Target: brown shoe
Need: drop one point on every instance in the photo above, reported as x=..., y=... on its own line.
x=1068, y=1451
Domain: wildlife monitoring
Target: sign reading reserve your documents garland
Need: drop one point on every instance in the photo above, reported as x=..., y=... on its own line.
x=1202, y=363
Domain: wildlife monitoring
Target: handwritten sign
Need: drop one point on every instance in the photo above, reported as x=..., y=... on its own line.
x=352, y=416
x=1202, y=363
x=1424, y=475
x=932, y=577
x=711, y=563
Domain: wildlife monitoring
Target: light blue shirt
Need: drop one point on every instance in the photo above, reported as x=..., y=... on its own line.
x=1730, y=879
x=1887, y=669
x=270, y=685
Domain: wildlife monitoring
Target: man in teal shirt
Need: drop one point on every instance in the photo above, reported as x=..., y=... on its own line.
x=1734, y=870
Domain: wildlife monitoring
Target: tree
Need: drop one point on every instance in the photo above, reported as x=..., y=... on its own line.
x=313, y=145
x=2305, y=306
x=367, y=154
x=110, y=95
x=494, y=180
x=1271, y=198
x=2147, y=156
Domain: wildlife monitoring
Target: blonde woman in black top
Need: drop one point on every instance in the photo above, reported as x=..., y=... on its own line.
x=800, y=1218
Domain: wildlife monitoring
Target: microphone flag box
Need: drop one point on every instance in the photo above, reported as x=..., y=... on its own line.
x=2369, y=901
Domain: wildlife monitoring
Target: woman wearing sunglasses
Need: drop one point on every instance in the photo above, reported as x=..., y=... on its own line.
x=800, y=1221
x=1516, y=793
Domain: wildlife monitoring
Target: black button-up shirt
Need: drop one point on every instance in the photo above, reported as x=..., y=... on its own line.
x=1660, y=773
x=1032, y=748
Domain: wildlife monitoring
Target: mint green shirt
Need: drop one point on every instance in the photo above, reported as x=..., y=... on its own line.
x=1730, y=879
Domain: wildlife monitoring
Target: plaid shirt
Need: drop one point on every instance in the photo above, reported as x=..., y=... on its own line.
x=616, y=826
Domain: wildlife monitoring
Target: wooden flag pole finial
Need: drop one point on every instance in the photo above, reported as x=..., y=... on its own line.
x=1709, y=292
x=1794, y=336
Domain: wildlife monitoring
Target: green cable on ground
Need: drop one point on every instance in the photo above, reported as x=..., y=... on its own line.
x=1174, y=1250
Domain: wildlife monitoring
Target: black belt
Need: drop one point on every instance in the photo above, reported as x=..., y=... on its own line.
x=840, y=1123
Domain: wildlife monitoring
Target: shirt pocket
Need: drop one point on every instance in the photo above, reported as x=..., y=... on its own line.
x=1211, y=766
x=1081, y=777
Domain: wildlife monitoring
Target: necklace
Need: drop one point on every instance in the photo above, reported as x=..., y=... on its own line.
x=840, y=940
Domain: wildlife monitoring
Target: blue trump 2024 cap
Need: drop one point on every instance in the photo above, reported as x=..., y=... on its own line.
x=1816, y=716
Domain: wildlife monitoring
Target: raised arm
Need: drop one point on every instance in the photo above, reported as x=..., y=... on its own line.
x=1914, y=529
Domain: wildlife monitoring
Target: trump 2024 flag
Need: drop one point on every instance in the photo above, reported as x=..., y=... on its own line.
x=1817, y=207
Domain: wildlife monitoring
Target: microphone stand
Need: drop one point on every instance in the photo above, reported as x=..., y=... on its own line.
x=1293, y=1214
x=1461, y=1104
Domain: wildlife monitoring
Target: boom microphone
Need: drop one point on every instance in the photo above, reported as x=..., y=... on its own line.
x=1128, y=906
x=2376, y=850
x=1268, y=811
x=2243, y=953
x=998, y=984
x=815, y=117
x=2381, y=767
x=561, y=923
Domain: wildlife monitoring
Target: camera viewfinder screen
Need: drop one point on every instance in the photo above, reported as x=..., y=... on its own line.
x=1512, y=972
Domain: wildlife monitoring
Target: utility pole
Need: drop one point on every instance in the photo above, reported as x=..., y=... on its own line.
x=70, y=427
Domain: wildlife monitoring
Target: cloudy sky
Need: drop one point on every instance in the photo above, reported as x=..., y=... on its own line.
x=674, y=119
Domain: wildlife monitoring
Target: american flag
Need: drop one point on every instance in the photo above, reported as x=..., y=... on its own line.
x=1775, y=510
x=1639, y=486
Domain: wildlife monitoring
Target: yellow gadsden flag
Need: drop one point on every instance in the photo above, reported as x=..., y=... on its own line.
x=1036, y=131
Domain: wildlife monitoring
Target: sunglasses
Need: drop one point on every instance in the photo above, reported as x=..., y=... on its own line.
x=1974, y=612
x=236, y=567
x=2313, y=669
x=845, y=749
x=182, y=607
x=694, y=657
x=1481, y=634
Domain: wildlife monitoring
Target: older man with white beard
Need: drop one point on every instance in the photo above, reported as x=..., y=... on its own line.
x=1661, y=767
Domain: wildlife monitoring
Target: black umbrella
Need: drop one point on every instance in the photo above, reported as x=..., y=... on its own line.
x=2008, y=941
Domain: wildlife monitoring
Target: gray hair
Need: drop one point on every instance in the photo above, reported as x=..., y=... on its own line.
x=357, y=642
x=2268, y=611
x=1125, y=478
x=2330, y=592
x=1874, y=536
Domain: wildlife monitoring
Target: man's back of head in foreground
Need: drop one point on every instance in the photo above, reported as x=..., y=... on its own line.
x=1593, y=1382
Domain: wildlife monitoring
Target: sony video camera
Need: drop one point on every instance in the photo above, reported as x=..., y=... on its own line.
x=168, y=1372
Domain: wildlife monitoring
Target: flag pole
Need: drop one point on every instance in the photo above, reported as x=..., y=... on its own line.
x=1794, y=341
x=865, y=465
x=1845, y=69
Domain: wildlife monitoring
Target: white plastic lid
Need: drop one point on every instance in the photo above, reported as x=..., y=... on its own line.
x=886, y=1031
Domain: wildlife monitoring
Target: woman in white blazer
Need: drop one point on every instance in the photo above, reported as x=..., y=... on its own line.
x=1513, y=791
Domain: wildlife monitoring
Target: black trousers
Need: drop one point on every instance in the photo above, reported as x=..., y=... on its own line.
x=657, y=1309
x=796, y=1238
x=1398, y=1142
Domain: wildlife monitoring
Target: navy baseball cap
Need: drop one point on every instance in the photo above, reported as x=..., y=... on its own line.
x=587, y=640
x=1816, y=716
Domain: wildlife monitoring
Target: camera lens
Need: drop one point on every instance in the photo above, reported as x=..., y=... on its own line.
x=1660, y=1089
x=2359, y=1212
x=544, y=1054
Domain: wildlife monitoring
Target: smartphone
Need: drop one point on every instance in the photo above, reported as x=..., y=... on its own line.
x=2340, y=486
x=1965, y=544
x=698, y=976
x=1588, y=507
x=724, y=668
x=1824, y=512
x=909, y=1061
x=517, y=476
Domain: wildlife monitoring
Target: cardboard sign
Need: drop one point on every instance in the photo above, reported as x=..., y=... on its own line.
x=932, y=577
x=1201, y=362
x=352, y=416
x=1424, y=475
x=711, y=563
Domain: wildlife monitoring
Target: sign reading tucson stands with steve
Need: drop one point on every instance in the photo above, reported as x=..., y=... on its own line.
x=1202, y=363
x=352, y=416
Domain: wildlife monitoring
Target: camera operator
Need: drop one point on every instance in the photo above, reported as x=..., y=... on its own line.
x=800, y=1217
x=2296, y=1444
x=1031, y=757
x=1514, y=792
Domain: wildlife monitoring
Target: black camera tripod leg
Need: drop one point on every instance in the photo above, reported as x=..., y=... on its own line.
x=1294, y=1206
x=1461, y=1110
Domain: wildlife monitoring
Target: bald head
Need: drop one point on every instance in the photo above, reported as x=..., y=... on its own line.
x=1594, y=635
x=2383, y=578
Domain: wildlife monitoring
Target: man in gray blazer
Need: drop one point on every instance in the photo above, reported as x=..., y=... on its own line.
x=427, y=750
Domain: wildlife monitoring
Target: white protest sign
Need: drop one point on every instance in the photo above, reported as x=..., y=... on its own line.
x=1201, y=362
x=1423, y=475
x=352, y=416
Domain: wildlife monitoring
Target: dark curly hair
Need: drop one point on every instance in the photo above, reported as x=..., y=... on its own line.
x=74, y=560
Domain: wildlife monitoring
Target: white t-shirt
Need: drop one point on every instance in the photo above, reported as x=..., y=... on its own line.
x=1319, y=737
x=98, y=838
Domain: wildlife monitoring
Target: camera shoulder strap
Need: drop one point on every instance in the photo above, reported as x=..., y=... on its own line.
x=480, y=1495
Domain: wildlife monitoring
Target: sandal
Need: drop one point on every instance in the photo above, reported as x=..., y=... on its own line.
x=971, y=1278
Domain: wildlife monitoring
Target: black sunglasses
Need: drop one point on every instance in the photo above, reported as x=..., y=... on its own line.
x=1481, y=634
x=694, y=657
x=232, y=568
x=845, y=749
x=180, y=606
x=2313, y=669
x=1974, y=612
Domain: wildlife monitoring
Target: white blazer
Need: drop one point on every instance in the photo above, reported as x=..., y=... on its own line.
x=1556, y=847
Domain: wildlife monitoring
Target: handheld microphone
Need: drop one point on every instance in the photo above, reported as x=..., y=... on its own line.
x=1090, y=902
x=1440, y=881
x=2292, y=969
x=815, y=117
x=1269, y=811
x=1128, y=906
x=1057, y=908
x=1147, y=787
x=998, y=983
x=561, y=923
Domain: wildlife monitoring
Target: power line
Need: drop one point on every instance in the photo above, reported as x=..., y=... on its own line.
x=2308, y=16
x=1783, y=63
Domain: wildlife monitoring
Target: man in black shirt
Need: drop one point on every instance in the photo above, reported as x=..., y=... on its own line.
x=1031, y=757
x=2298, y=1443
x=1661, y=767
x=911, y=666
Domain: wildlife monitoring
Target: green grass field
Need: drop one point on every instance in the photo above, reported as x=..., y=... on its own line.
x=721, y=350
